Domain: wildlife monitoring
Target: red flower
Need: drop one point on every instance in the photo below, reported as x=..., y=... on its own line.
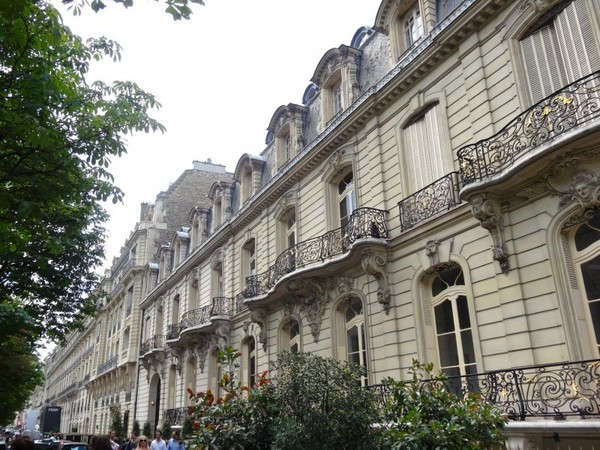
x=190, y=392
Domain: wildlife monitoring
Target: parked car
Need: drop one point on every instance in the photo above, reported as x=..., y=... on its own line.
x=52, y=444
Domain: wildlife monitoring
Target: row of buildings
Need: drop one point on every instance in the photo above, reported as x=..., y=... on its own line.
x=435, y=196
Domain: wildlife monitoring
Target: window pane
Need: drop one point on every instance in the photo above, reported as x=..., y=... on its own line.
x=352, y=334
x=444, y=321
x=463, y=313
x=467, y=345
x=448, y=350
x=588, y=233
x=595, y=313
x=591, y=278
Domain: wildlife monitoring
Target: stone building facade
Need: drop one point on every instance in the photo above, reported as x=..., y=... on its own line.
x=436, y=196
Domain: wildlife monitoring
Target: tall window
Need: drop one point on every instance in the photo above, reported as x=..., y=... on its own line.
x=175, y=310
x=248, y=260
x=290, y=336
x=336, y=97
x=193, y=295
x=356, y=348
x=346, y=198
x=413, y=26
x=217, y=280
x=252, y=365
x=453, y=330
x=190, y=374
x=172, y=392
x=217, y=215
x=559, y=49
x=425, y=150
x=586, y=257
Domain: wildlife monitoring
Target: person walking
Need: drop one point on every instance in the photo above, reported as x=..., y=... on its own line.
x=175, y=442
x=113, y=440
x=158, y=443
x=143, y=443
x=132, y=443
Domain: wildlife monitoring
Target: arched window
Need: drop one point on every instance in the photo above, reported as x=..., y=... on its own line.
x=586, y=261
x=452, y=322
x=290, y=337
x=354, y=342
x=252, y=364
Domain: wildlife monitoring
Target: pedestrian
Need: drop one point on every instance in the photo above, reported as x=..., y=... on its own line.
x=113, y=440
x=175, y=442
x=22, y=443
x=158, y=443
x=143, y=443
x=132, y=443
x=102, y=442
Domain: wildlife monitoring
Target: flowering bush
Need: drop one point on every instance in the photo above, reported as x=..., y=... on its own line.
x=235, y=417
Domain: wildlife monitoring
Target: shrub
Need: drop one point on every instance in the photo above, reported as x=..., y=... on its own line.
x=425, y=415
x=148, y=430
x=322, y=405
x=239, y=419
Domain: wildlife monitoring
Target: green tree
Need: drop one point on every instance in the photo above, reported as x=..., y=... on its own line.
x=136, y=427
x=322, y=405
x=148, y=431
x=116, y=422
x=22, y=373
x=177, y=8
x=57, y=137
x=422, y=414
x=166, y=429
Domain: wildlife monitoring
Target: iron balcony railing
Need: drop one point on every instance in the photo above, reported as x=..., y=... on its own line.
x=552, y=390
x=363, y=223
x=175, y=416
x=439, y=196
x=572, y=107
x=111, y=363
x=155, y=343
x=221, y=306
x=239, y=302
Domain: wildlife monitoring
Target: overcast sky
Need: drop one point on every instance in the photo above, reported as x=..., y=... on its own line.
x=219, y=76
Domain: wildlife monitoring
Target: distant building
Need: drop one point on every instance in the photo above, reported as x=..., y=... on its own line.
x=436, y=196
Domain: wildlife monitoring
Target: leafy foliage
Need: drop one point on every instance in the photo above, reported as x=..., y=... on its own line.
x=57, y=137
x=116, y=423
x=241, y=418
x=166, y=429
x=425, y=415
x=147, y=431
x=136, y=427
x=20, y=376
x=178, y=9
x=322, y=405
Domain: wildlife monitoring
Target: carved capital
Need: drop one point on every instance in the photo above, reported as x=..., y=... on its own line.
x=489, y=214
x=373, y=263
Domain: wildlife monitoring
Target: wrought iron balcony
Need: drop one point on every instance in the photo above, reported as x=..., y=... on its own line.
x=111, y=363
x=175, y=416
x=439, y=196
x=572, y=107
x=155, y=343
x=196, y=317
x=221, y=306
x=239, y=302
x=174, y=330
x=553, y=390
x=364, y=223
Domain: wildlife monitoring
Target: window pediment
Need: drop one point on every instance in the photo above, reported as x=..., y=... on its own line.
x=334, y=60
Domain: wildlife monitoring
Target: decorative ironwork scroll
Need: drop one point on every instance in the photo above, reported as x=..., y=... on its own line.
x=438, y=197
x=570, y=108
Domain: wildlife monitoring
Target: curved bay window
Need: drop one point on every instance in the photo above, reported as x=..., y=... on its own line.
x=453, y=330
x=586, y=259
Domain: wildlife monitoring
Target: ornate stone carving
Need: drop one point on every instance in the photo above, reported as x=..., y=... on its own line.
x=373, y=263
x=312, y=298
x=584, y=189
x=261, y=316
x=222, y=334
x=431, y=250
x=489, y=214
x=201, y=350
x=175, y=358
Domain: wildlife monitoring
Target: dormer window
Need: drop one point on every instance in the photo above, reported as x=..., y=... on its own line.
x=413, y=26
x=248, y=174
x=287, y=125
x=336, y=76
